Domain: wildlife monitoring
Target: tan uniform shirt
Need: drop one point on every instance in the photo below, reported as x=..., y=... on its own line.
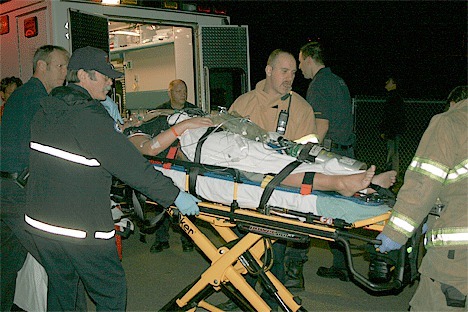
x=263, y=109
x=438, y=170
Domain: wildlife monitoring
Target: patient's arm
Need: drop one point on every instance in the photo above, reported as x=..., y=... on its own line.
x=137, y=120
x=159, y=143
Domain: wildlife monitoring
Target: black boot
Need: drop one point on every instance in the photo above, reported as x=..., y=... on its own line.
x=294, y=274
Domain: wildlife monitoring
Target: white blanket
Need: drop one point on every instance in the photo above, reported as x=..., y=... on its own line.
x=232, y=150
x=220, y=189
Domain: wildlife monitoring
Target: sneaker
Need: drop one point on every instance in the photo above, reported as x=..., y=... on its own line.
x=159, y=246
x=333, y=272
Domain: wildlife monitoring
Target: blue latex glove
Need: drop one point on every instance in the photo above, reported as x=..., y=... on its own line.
x=424, y=228
x=387, y=244
x=187, y=203
x=113, y=109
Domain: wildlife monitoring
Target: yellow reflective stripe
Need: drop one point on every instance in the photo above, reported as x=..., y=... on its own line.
x=104, y=235
x=447, y=237
x=64, y=155
x=430, y=168
x=54, y=229
x=458, y=173
x=402, y=224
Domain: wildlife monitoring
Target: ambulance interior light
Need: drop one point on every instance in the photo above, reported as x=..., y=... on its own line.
x=110, y=2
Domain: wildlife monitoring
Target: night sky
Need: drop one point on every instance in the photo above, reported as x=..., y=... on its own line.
x=421, y=42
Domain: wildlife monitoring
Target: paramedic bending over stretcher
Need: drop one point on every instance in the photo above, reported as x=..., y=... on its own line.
x=73, y=156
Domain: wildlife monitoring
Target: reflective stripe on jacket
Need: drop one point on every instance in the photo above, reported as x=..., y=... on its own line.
x=446, y=237
x=436, y=172
x=53, y=229
x=64, y=155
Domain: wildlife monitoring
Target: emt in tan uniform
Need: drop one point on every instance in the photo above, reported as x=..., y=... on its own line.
x=273, y=95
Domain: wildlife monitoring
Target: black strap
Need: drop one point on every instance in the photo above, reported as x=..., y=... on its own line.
x=270, y=187
x=195, y=170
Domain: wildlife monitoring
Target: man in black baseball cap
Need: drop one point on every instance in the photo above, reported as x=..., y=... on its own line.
x=90, y=58
x=89, y=68
x=75, y=151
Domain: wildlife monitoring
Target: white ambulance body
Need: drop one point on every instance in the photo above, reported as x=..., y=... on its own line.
x=151, y=46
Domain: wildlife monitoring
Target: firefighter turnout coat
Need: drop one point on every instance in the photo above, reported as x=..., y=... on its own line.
x=75, y=151
x=438, y=170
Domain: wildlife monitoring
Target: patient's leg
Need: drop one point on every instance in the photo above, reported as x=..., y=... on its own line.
x=385, y=179
x=346, y=185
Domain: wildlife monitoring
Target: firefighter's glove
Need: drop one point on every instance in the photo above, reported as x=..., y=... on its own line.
x=187, y=204
x=387, y=244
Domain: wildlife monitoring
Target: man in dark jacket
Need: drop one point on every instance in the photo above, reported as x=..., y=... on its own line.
x=75, y=151
x=393, y=124
x=50, y=68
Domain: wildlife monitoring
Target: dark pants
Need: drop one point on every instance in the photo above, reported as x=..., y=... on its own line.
x=338, y=250
x=393, y=155
x=298, y=252
x=15, y=241
x=98, y=267
x=338, y=253
x=162, y=231
x=277, y=269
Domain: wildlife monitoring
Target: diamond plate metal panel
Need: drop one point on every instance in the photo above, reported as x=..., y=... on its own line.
x=88, y=30
x=225, y=47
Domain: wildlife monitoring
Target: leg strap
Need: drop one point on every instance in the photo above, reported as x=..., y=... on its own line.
x=307, y=183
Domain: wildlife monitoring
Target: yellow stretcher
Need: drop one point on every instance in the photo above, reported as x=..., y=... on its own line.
x=239, y=255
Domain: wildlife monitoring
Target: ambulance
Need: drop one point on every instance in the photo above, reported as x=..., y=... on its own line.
x=151, y=42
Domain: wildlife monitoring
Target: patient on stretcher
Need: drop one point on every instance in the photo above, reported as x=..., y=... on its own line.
x=255, y=158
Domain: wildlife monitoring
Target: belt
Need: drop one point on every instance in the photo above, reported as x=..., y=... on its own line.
x=9, y=175
x=343, y=147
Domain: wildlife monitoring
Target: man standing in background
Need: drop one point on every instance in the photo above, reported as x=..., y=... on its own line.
x=50, y=69
x=177, y=96
x=393, y=124
x=7, y=86
x=330, y=99
x=177, y=92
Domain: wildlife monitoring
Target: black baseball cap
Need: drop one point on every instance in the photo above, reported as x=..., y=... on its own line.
x=90, y=58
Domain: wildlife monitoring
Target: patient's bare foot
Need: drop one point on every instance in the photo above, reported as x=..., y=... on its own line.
x=356, y=182
x=385, y=179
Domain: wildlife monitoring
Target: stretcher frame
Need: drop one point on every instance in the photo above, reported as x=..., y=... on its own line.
x=229, y=262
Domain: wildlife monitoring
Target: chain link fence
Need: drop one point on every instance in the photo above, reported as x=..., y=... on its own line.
x=370, y=148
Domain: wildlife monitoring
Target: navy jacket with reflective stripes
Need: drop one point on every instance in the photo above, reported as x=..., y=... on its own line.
x=68, y=194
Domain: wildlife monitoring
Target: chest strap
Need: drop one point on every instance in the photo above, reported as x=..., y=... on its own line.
x=171, y=155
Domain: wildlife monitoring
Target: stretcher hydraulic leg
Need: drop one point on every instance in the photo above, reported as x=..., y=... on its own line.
x=228, y=266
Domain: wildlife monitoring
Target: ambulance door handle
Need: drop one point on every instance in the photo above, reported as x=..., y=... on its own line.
x=206, y=74
x=118, y=100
